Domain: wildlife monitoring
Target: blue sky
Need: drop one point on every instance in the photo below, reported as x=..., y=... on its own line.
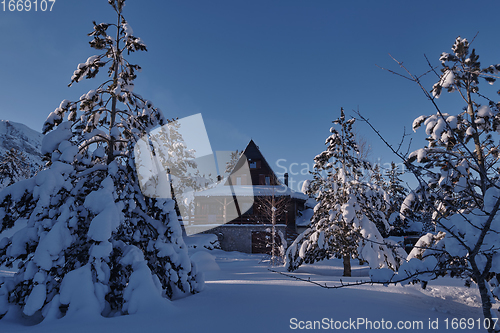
x=276, y=72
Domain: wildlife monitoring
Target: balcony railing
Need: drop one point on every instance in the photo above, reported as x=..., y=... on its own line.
x=201, y=219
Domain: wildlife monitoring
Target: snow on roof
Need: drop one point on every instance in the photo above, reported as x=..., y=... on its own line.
x=249, y=190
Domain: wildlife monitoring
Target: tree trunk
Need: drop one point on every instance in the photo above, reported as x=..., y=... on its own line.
x=273, y=233
x=486, y=302
x=485, y=295
x=347, y=265
x=112, y=140
x=477, y=143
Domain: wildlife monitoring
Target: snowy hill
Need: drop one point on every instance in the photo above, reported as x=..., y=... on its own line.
x=22, y=138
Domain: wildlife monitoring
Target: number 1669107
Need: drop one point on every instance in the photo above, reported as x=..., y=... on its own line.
x=27, y=5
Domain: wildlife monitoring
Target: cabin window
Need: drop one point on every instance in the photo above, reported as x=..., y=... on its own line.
x=255, y=164
x=268, y=180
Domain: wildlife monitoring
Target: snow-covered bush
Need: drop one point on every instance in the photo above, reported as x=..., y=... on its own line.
x=93, y=243
x=350, y=214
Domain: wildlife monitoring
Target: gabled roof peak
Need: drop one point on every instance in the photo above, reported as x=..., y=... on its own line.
x=252, y=151
x=252, y=144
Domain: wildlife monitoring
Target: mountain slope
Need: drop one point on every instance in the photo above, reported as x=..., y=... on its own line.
x=23, y=139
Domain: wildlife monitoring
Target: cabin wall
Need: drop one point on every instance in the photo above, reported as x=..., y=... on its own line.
x=239, y=237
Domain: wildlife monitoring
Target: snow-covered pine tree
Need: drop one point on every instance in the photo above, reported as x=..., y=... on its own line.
x=376, y=176
x=179, y=163
x=378, y=199
x=396, y=194
x=345, y=218
x=13, y=167
x=458, y=173
x=93, y=243
x=233, y=159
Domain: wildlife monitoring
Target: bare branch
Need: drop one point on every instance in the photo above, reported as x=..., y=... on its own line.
x=413, y=276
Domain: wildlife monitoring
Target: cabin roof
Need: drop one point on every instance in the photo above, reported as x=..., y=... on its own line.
x=252, y=153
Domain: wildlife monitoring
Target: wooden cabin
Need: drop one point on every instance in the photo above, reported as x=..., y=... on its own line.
x=240, y=205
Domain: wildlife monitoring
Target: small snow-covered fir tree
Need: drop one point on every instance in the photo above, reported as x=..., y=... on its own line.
x=376, y=176
x=233, y=160
x=94, y=244
x=344, y=224
x=396, y=194
x=13, y=167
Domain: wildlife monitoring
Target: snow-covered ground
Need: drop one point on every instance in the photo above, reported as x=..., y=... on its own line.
x=242, y=295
